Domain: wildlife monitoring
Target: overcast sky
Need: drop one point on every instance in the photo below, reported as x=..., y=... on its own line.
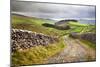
x=53, y=11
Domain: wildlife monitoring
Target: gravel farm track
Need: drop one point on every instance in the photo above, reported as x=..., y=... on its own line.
x=75, y=51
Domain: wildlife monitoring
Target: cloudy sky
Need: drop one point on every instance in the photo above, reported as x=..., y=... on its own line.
x=53, y=11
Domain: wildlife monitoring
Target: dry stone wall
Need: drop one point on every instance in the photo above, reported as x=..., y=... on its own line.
x=84, y=36
x=89, y=36
x=23, y=39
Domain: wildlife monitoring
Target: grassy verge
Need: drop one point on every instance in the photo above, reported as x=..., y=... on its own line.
x=36, y=55
x=92, y=45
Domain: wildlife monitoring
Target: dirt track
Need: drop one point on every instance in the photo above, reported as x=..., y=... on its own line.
x=75, y=51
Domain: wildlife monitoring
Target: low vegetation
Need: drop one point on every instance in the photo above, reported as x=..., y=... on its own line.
x=36, y=55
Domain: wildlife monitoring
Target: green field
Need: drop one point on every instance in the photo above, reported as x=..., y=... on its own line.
x=37, y=54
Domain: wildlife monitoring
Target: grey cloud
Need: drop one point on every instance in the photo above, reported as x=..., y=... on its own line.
x=47, y=10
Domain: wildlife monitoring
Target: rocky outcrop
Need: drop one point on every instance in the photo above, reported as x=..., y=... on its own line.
x=23, y=39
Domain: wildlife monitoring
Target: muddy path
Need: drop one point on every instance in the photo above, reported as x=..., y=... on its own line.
x=75, y=51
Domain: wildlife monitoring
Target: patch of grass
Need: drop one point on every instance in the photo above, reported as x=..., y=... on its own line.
x=76, y=29
x=37, y=54
x=91, y=45
x=77, y=24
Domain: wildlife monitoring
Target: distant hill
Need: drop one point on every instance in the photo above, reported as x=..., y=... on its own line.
x=65, y=21
x=32, y=17
x=20, y=15
x=63, y=24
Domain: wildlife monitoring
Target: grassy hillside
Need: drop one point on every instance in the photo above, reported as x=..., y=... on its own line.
x=38, y=54
x=81, y=28
x=36, y=24
x=33, y=24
